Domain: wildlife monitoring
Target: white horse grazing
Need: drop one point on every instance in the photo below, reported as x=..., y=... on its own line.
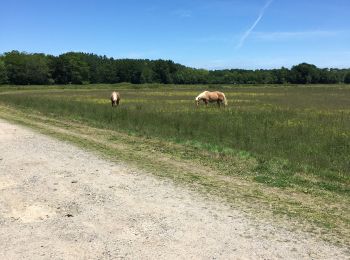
x=215, y=96
x=115, y=98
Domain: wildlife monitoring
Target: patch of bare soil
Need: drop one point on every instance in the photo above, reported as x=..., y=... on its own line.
x=60, y=202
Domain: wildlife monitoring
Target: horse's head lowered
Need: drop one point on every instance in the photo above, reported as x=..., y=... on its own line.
x=197, y=101
x=199, y=97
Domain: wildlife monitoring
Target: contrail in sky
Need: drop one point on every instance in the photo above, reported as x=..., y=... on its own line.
x=247, y=33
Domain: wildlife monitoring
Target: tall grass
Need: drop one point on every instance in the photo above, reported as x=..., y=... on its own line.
x=303, y=129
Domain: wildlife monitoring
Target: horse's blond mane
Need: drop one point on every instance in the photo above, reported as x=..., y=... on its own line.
x=114, y=95
x=201, y=95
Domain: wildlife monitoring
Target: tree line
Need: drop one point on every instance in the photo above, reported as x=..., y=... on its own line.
x=21, y=68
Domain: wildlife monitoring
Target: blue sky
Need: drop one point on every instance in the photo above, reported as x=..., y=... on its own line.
x=210, y=34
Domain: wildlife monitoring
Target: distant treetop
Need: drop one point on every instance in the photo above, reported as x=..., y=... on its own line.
x=23, y=68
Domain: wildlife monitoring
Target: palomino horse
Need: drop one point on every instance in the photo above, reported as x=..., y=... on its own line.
x=215, y=96
x=115, y=98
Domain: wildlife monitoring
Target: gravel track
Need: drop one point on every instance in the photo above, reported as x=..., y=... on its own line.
x=58, y=201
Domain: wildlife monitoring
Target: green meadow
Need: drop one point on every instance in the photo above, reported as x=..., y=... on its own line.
x=302, y=128
x=294, y=138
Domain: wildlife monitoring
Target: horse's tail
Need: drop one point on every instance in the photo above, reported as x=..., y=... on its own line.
x=225, y=99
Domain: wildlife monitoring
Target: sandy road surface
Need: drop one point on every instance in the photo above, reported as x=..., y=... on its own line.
x=60, y=202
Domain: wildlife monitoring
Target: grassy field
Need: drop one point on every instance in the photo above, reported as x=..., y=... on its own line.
x=291, y=143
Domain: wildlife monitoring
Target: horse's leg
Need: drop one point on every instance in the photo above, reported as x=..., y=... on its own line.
x=218, y=103
x=206, y=102
x=117, y=102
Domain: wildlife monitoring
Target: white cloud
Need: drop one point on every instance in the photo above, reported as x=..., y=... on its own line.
x=248, y=32
x=280, y=36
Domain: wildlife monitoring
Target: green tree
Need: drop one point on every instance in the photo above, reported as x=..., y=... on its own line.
x=162, y=71
x=3, y=73
x=79, y=68
x=70, y=68
x=347, y=78
x=23, y=68
x=281, y=76
x=305, y=74
x=328, y=76
x=146, y=75
x=37, y=69
x=15, y=63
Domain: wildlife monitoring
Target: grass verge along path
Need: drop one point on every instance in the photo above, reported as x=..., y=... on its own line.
x=229, y=177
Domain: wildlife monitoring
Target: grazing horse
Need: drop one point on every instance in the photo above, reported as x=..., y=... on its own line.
x=115, y=98
x=215, y=96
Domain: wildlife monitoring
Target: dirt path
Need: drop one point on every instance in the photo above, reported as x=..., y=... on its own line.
x=60, y=202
